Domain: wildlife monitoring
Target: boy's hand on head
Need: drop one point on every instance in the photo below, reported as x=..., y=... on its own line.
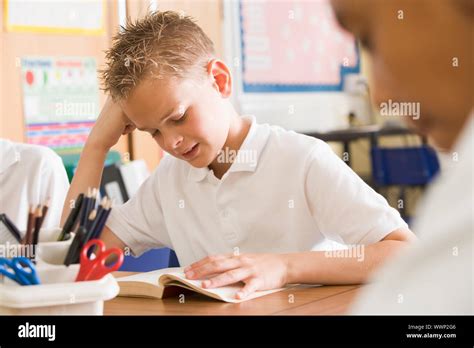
x=257, y=271
x=110, y=125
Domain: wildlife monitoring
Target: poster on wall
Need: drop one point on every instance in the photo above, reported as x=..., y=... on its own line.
x=294, y=46
x=60, y=100
x=83, y=17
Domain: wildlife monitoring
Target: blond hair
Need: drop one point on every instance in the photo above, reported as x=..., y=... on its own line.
x=161, y=44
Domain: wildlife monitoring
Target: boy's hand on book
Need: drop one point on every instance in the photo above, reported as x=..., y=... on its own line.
x=257, y=271
x=110, y=125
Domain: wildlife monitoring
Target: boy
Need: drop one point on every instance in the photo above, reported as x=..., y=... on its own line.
x=254, y=217
x=426, y=57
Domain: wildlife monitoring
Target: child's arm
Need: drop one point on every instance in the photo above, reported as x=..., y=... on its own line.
x=110, y=125
x=269, y=271
x=350, y=269
x=111, y=240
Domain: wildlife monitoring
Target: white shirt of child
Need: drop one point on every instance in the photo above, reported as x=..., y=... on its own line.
x=435, y=276
x=31, y=174
x=286, y=193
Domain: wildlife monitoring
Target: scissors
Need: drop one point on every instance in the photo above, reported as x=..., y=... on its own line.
x=20, y=270
x=96, y=268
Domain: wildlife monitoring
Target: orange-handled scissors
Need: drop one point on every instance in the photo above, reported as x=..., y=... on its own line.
x=96, y=268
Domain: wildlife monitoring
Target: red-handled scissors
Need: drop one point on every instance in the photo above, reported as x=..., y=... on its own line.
x=96, y=268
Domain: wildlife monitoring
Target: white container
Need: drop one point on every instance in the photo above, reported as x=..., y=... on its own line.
x=48, y=247
x=47, y=243
x=57, y=294
x=49, y=235
x=49, y=250
x=53, y=253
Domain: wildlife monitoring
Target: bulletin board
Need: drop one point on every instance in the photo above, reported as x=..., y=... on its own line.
x=81, y=17
x=289, y=46
x=60, y=100
x=290, y=62
x=15, y=46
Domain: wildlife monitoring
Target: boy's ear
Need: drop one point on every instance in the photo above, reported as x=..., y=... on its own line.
x=221, y=77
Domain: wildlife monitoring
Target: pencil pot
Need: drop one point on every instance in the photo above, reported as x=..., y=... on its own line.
x=49, y=249
x=50, y=236
x=47, y=246
x=53, y=253
x=57, y=294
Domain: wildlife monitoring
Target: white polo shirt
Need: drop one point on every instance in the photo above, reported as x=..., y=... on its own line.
x=436, y=275
x=30, y=174
x=287, y=193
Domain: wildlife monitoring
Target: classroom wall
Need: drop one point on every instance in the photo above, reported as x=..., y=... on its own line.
x=14, y=45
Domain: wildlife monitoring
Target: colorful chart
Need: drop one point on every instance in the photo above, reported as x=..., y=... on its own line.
x=294, y=46
x=60, y=100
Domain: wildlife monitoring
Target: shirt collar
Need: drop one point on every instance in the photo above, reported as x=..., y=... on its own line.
x=246, y=159
x=197, y=174
x=9, y=155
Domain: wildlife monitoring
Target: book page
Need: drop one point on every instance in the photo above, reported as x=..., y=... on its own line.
x=151, y=277
x=176, y=276
x=225, y=293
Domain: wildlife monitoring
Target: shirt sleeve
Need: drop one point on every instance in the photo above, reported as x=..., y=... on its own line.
x=139, y=222
x=344, y=207
x=54, y=186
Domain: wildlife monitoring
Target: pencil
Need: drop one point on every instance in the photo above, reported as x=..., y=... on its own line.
x=38, y=221
x=72, y=219
x=100, y=212
x=74, y=250
x=91, y=219
x=102, y=222
x=93, y=198
x=44, y=211
x=85, y=210
x=29, y=226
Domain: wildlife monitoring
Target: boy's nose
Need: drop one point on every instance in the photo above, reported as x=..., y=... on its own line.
x=173, y=141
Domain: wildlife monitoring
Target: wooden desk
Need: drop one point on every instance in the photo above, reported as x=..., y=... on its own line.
x=307, y=300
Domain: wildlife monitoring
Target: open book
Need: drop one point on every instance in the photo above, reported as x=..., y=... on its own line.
x=163, y=282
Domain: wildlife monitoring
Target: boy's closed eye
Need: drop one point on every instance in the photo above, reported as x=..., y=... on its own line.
x=180, y=118
x=154, y=133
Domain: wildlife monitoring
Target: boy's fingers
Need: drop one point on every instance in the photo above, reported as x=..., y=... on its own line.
x=213, y=267
x=250, y=287
x=205, y=260
x=227, y=278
